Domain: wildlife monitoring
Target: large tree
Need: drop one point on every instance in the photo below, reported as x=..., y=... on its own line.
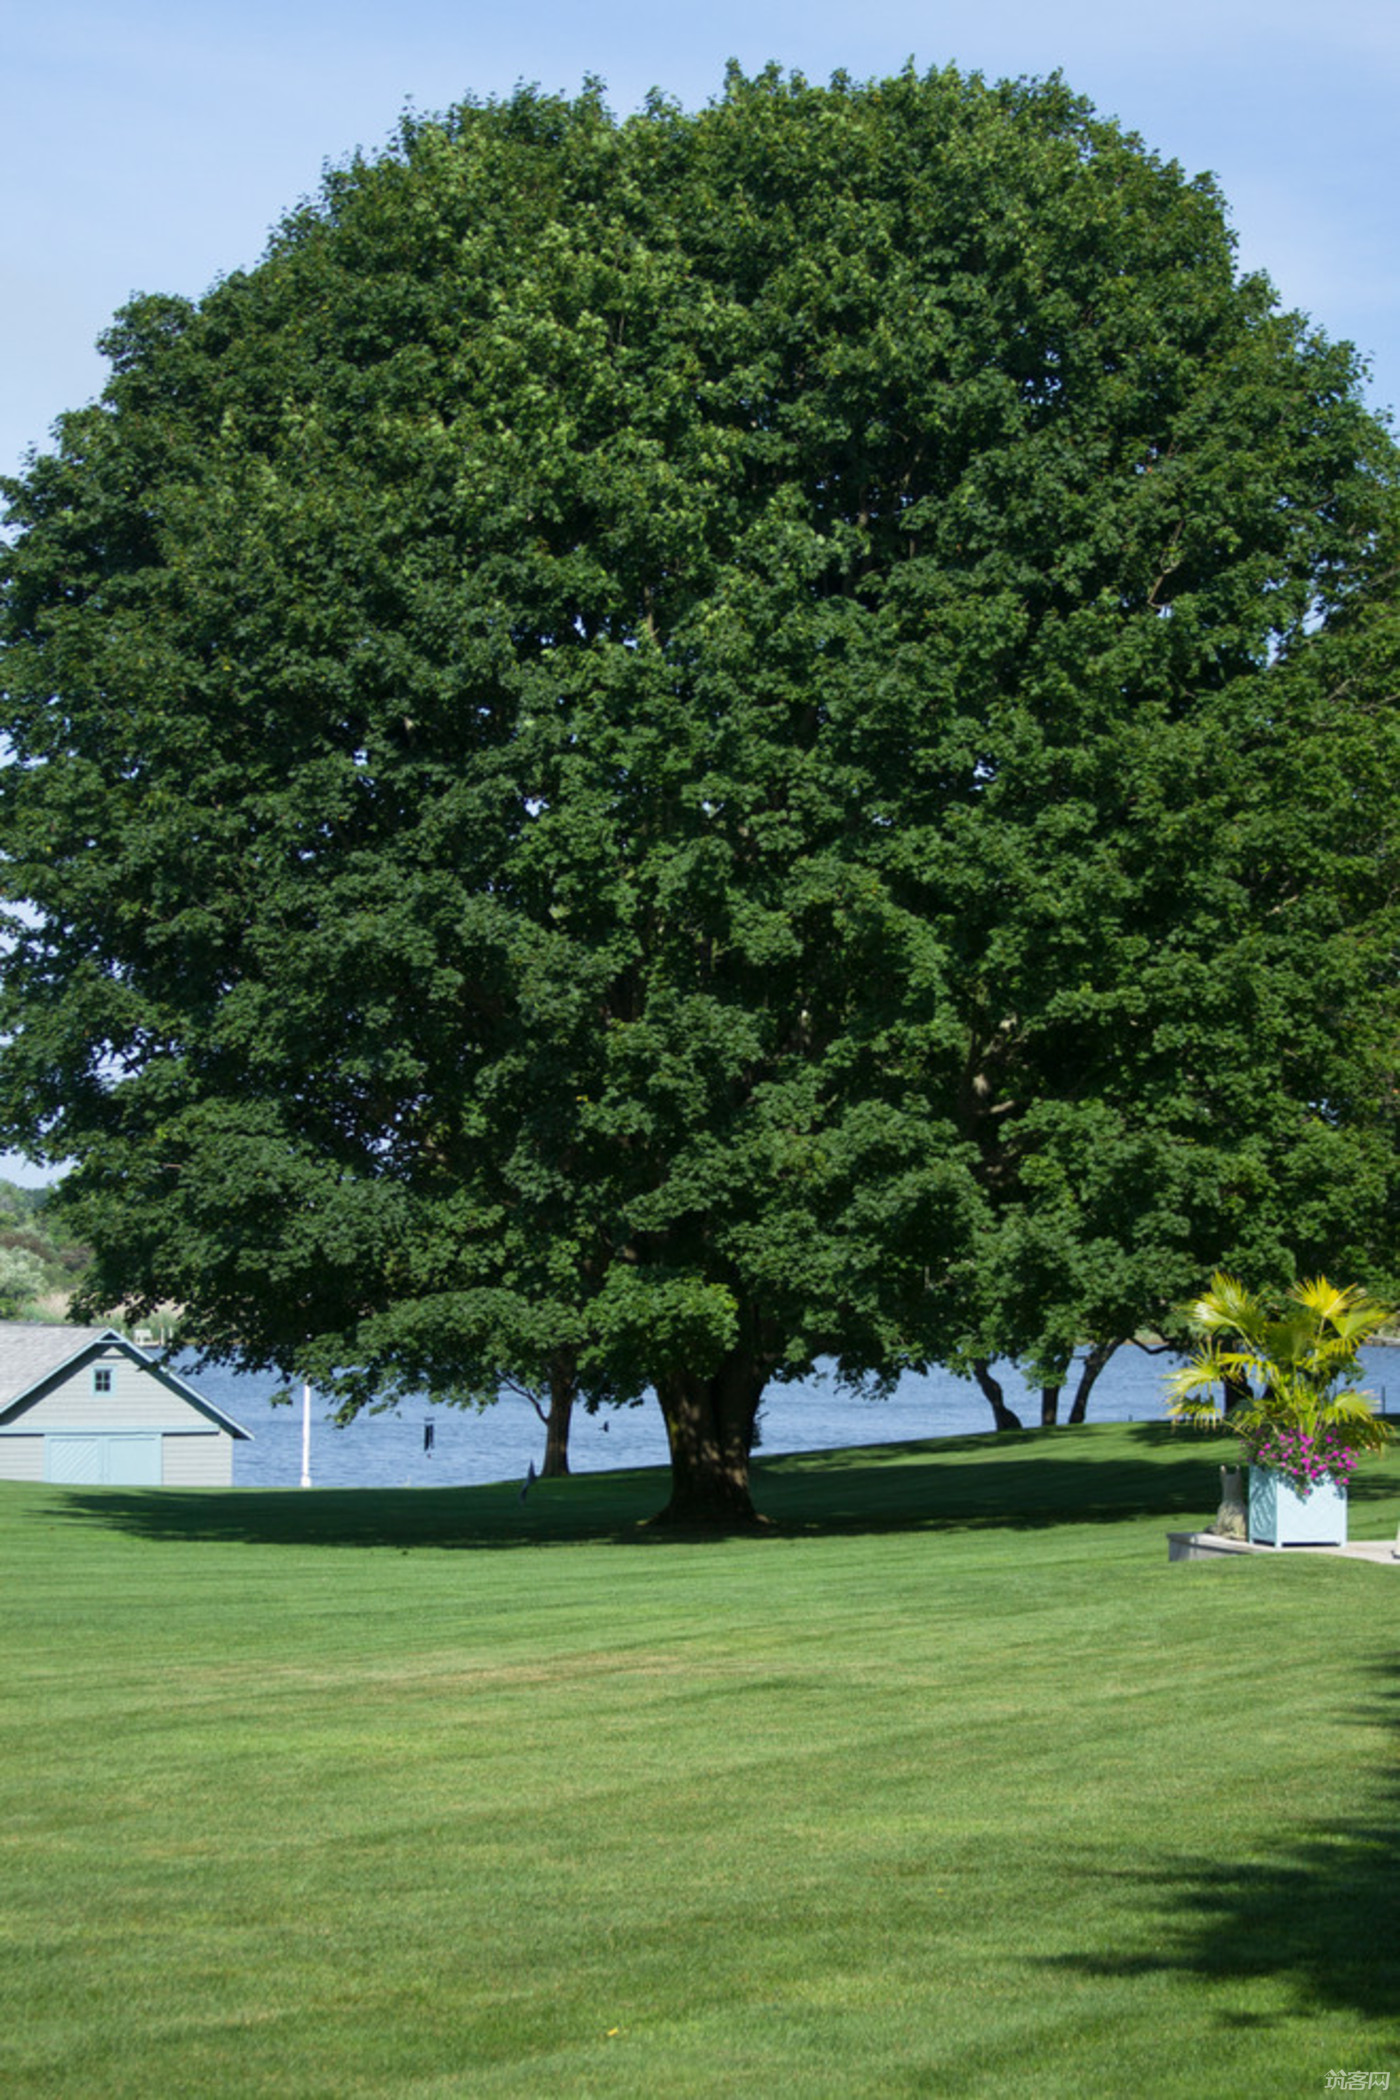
x=619, y=756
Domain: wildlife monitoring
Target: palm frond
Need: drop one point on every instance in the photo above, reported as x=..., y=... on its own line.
x=1226, y=1307
x=1354, y=1413
x=1199, y=1413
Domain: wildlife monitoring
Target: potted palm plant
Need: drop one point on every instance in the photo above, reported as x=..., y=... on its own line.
x=1287, y=1391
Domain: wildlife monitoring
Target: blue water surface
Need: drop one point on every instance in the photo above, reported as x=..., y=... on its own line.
x=469, y=1447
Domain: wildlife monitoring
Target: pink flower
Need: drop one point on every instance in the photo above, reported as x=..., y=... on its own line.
x=1304, y=1458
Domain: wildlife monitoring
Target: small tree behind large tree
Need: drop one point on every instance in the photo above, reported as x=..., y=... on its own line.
x=635, y=745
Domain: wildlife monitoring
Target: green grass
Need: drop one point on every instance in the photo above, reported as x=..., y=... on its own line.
x=952, y=1785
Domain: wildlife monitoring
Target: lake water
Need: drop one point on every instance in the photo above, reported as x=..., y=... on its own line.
x=468, y=1448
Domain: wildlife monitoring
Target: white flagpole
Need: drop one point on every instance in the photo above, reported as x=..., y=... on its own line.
x=306, y=1436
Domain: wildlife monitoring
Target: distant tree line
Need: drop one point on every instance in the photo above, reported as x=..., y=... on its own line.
x=41, y=1263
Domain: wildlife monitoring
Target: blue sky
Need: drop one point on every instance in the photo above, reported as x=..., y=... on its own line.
x=151, y=146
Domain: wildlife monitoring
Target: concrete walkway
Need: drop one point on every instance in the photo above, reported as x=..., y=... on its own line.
x=1204, y=1545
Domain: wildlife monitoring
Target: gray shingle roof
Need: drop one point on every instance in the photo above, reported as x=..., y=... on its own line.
x=29, y=1352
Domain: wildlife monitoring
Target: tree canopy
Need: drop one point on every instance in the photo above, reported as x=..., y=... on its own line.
x=665, y=748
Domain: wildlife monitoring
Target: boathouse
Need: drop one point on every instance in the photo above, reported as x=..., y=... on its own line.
x=86, y=1407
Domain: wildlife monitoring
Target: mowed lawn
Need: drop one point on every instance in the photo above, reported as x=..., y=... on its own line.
x=951, y=1785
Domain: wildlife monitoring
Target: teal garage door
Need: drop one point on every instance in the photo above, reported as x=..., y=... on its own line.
x=103, y=1461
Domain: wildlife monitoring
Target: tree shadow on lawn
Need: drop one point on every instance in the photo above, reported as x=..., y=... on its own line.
x=1322, y=1915
x=1031, y=1481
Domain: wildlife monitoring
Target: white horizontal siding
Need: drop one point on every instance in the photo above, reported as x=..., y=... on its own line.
x=21, y=1458
x=197, y=1461
x=201, y=1460
x=136, y=1401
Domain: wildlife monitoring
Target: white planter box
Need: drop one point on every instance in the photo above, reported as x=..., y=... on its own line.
x=1280, y=1516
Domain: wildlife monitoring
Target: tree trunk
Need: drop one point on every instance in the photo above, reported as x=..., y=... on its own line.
x=709, y=1426
x=563, y=1387
x=982, y=1372
x=1093, y=1363
x=1050, y=1405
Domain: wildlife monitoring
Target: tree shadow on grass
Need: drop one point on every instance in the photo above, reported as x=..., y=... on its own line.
x=1322, y=1916
x=1022, y=1481
x=475, y=1518
x=1109, y=1473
